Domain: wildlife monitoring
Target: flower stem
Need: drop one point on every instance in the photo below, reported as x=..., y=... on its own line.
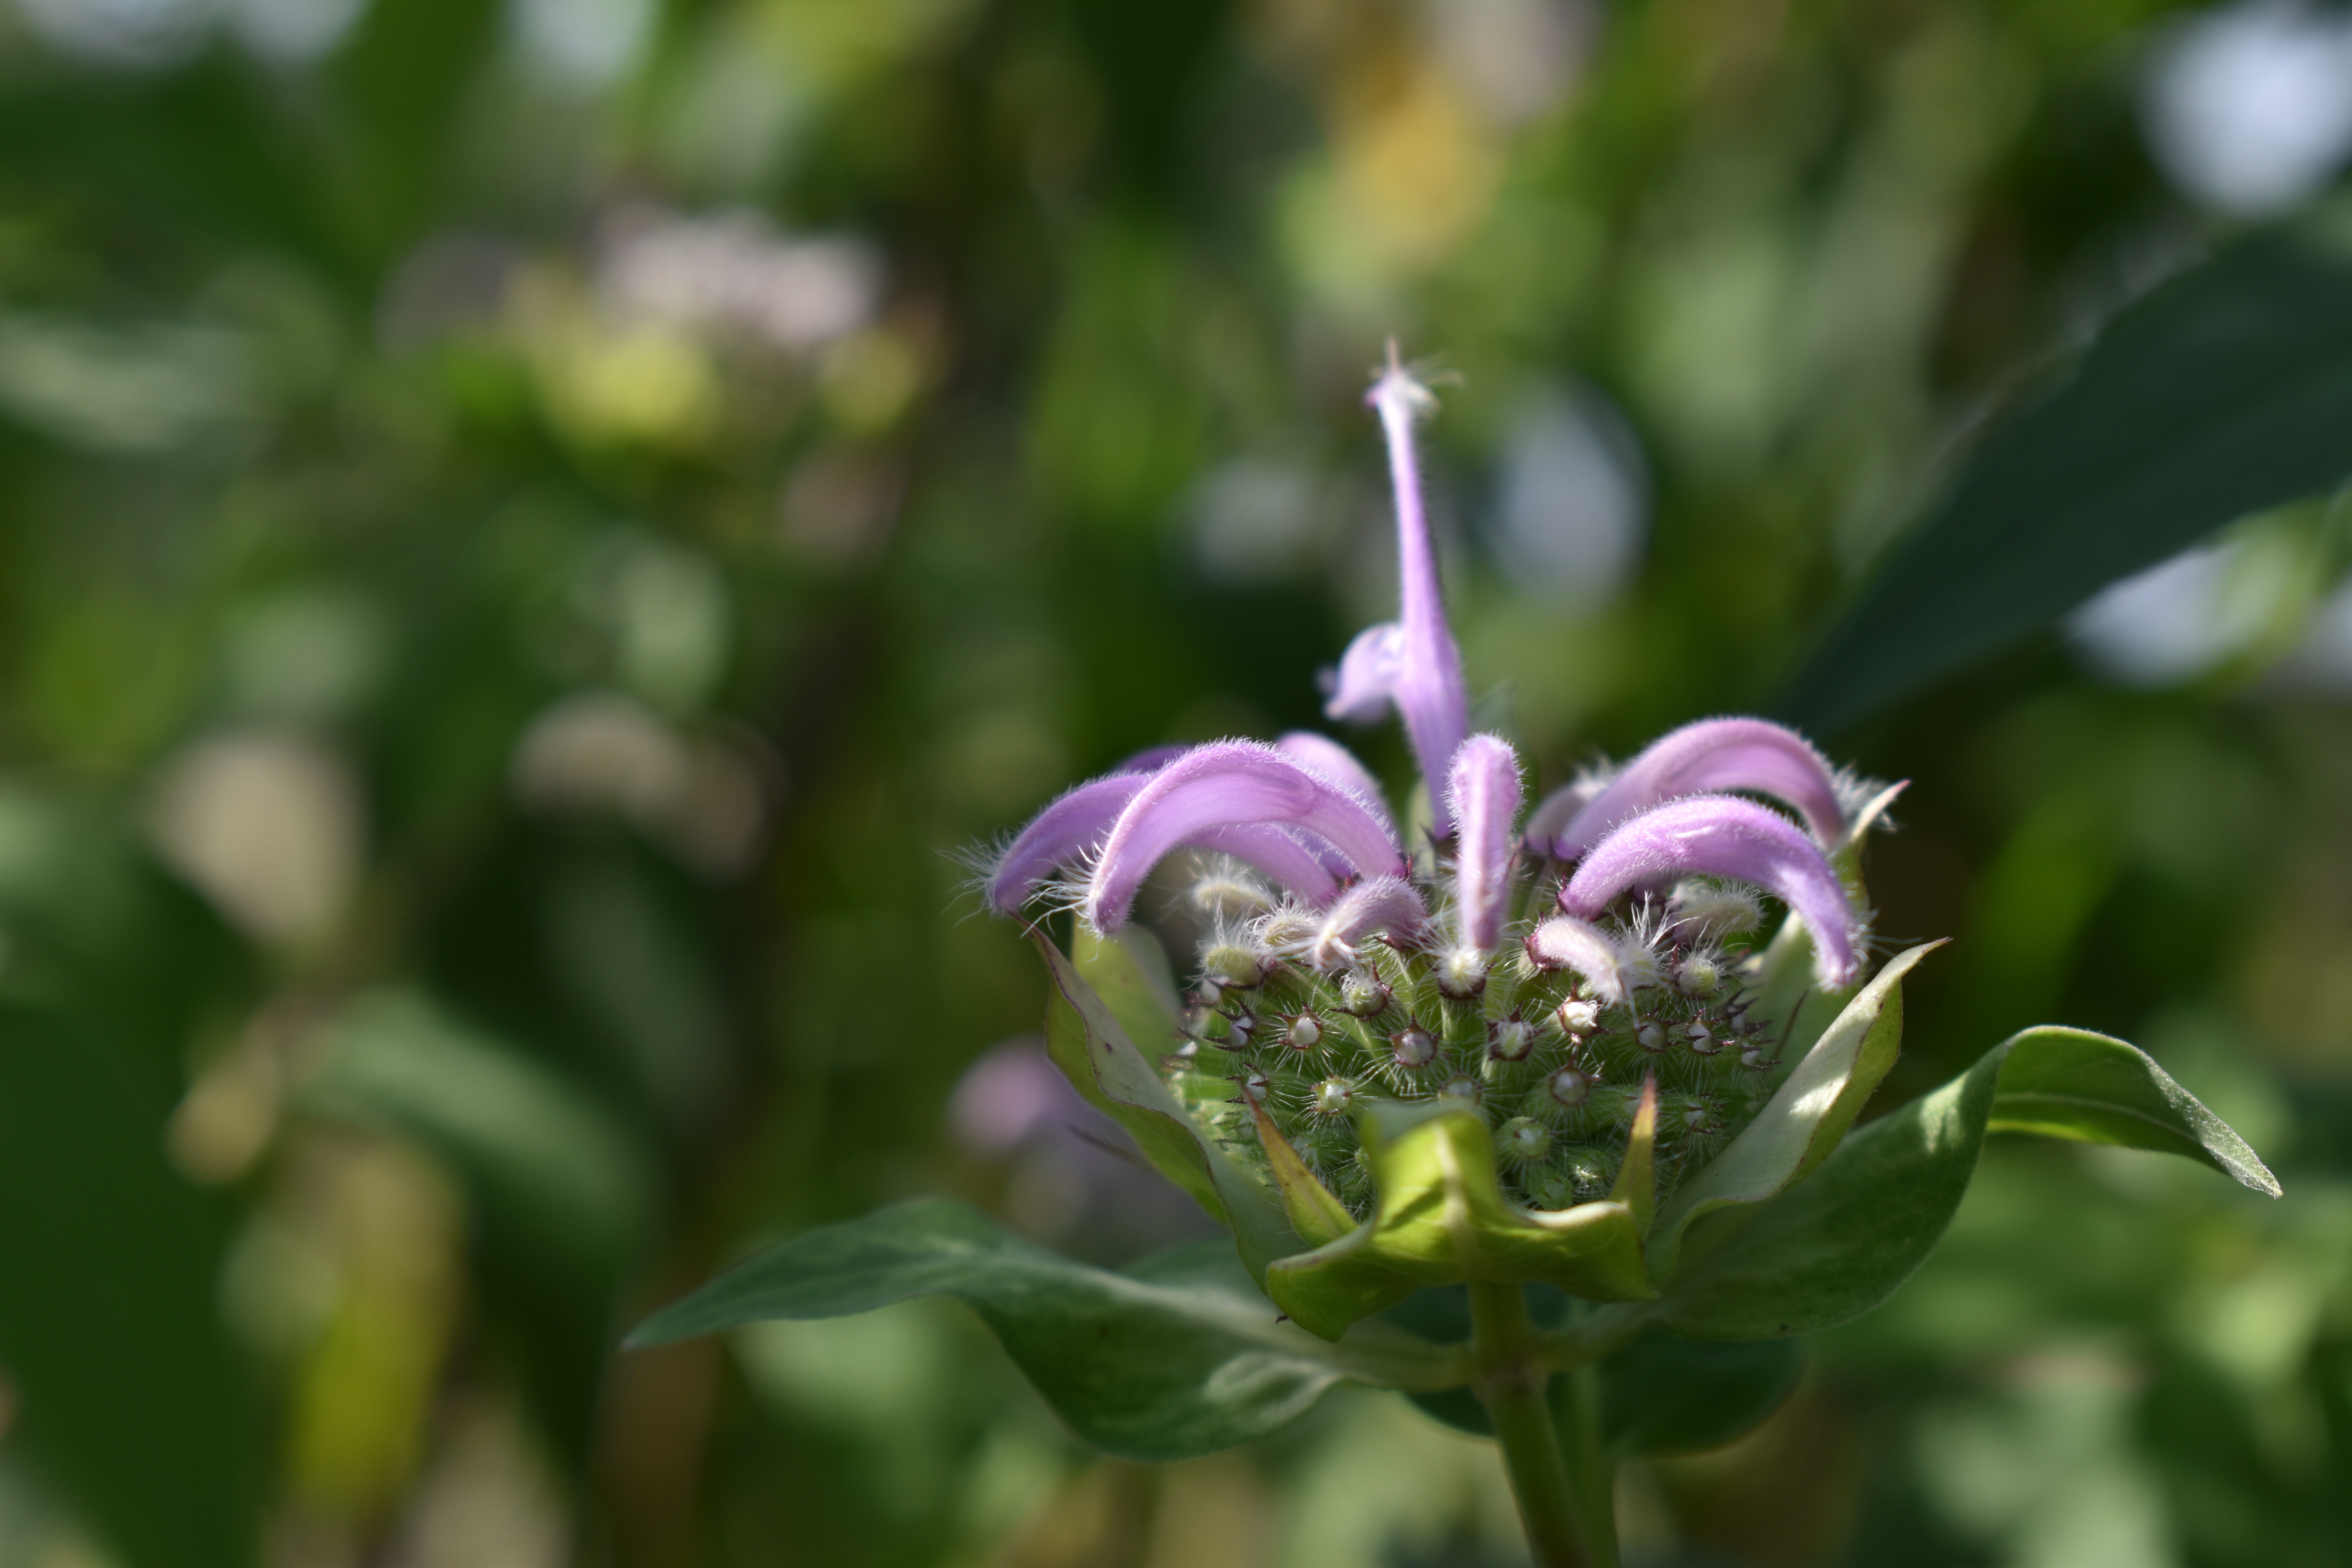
x=1510, y=1379
x=1576, y=1405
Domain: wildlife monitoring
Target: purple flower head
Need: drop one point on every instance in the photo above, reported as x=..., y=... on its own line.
x=1722, y=835
x=1411, y=663
x=1483, y=793
x=1710, y=755
x=1228, y=785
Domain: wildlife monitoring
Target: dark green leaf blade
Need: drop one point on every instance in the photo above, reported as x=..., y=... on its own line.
x=1667, y=1394
x=2096, y=1089
x=2226, y=392
x=1840, y=1242
x=1178, y=1356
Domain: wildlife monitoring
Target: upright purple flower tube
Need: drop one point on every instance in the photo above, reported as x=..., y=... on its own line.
x=1412, y=663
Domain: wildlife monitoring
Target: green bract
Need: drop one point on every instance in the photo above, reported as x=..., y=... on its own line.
x=1798, y=1224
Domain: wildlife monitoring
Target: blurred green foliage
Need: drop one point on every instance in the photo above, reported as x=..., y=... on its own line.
x=529, y=532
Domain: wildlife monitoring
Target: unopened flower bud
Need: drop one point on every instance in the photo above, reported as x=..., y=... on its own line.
x=1510, y=1039
x=1244, y=1026
x=1334, y=1097
x=1462, y=1090
x=1524, y=1140
x=1702, y=910
x=1580, y=1015
x=1256, y=1087
x=1650, y=1036
x=1699, y=975
x=1306, y=1033
x=1232, y=965
x=1230, y=898
x=1362, y=995
x=1572, y=1087
x=1462, y=972
x=1413, y=1047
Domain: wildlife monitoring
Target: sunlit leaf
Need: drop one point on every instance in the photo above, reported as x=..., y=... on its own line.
x=1841, y=1241
x=2226, y=391
x=1095, y=1053
x=1806, y=1116
x=1177, y=1356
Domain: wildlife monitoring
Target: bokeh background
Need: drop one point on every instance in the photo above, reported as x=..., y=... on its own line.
x=532, y=530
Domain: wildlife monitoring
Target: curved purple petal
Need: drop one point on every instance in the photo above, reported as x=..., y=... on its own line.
x=1722, y=835
x=1484, y=794
x=1151, y=759
x=1226, y=783
x=1564, y=941
x=1061, y=835
x=1377, y=903
x=1335, y=762
x=1290, y=863
x=1714, y=754
x=1413, y=662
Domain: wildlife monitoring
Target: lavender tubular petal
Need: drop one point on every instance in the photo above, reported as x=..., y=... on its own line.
x=1335, y=762
x=1414, y=662
x=1378, y=903
x=1484, y=793
x=1711, y=755
x=1722, y=835
x=1565, y=942
x=1061, y=835
x=1279, y=854
x=1224, y=783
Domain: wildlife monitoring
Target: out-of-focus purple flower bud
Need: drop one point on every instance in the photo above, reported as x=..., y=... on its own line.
x=1565, y=942
x=1722, y=835
x=1413, y=662
x=1229, y=783
x=1377, y=904
x=1711, y=755
x=1483, y=788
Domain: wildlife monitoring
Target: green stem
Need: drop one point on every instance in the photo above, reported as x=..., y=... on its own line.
x=1508, y=1374
x=1590, y=1473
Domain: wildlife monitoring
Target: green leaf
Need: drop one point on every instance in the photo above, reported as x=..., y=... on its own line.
x=1177, y=1356
x=1094, y=1053
x=1667, y=1394
x=1806, y=1117
x=2226, y=392
x=1440, y=1219
x=2095, y=1089
x=1839, y=1243
x=548, y=1163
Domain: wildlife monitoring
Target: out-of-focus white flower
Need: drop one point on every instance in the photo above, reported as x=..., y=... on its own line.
x=2184, y=616
x=1572, y=499
x=733, y=273
x=269, y=824
x=590, y=43
x=2249, y=108
x=600, y=753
